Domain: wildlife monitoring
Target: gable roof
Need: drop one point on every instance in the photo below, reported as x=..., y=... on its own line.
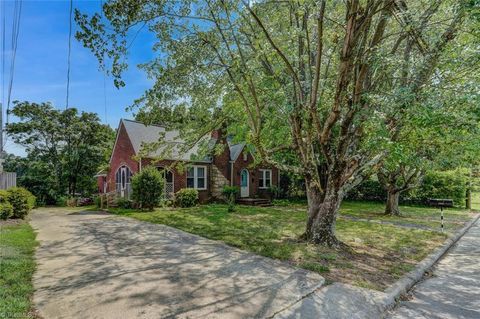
x=173, y=149
x=139, y=133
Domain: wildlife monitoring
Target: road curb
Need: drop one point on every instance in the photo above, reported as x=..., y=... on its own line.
x=404, y=284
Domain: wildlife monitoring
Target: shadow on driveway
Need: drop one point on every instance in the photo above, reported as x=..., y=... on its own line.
x=96, y=265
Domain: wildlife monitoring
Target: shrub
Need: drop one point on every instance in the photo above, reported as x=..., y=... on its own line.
x=275, y=192
x=98, y=201
x=230, y=193
x=61, y=201
x=21, y=200
x=124, y=203
x=186, y=197
x=147, y=187
x=166, y=203
x=6, y=209
x=370, y=190
x=438, y=184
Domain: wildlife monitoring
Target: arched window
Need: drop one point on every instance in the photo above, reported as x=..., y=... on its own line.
x=123, y=176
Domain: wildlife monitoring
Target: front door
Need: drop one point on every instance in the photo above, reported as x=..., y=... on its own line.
x=244, y=183
x=123, y=181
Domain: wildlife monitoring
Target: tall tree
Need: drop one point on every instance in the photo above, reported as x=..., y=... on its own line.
x=301, y=76
x=64, y=148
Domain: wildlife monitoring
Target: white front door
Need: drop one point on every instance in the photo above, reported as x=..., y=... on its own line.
x=244, y=192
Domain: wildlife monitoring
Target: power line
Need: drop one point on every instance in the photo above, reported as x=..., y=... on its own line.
x=17, y=12
x=69, y=52
x=4, y=25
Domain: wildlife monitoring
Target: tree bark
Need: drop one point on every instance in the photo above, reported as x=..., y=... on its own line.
x=392, y=207
x=322, y=213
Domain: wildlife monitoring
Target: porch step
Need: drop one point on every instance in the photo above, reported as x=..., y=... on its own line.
x=263, y=202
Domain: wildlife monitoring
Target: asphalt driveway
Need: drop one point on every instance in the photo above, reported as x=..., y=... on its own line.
x=95, y=265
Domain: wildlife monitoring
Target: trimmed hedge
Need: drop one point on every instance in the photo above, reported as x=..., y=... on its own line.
x=22, y=201
x=186, y=197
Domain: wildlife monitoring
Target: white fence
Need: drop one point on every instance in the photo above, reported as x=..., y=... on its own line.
x=8, y=180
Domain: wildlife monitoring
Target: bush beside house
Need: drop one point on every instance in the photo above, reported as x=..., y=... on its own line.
x=186, y=197
x=147, y=187
x=230, y=193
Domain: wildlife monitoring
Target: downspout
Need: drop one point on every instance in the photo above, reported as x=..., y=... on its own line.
x=231, y=173
x=140, y=165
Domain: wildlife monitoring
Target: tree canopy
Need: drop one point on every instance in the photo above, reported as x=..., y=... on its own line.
x=329, y=83
x=64, y=149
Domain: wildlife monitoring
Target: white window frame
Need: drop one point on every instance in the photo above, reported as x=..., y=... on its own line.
x=195, y=176
x=263, y=173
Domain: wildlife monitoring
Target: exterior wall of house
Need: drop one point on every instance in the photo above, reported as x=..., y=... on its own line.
x=122, y=155
x=219, y=172
x=180, y=177
x=253, y=174
x=221, y=167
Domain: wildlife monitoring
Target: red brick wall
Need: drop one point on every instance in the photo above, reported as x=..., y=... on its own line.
x=122, y=155
x=254, y=175
x=180, y=177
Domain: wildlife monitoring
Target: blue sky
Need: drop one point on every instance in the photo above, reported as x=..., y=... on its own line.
x=41, y=64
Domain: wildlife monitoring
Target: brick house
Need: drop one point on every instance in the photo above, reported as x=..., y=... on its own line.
x=234, y=166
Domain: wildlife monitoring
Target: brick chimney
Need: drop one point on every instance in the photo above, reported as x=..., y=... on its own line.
x=222, y=161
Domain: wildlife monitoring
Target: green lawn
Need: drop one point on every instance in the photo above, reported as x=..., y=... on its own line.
x=17, y=246
x=378, y=254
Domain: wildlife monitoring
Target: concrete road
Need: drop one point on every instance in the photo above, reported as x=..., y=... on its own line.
x=95, y=265
x=454, y=289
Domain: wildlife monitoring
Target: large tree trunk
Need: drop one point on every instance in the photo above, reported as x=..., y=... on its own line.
x=392, y=207
x=322, y=214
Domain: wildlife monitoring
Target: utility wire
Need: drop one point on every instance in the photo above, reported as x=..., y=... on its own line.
x=17, y=12
x=4, y=25
x=69, y=52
